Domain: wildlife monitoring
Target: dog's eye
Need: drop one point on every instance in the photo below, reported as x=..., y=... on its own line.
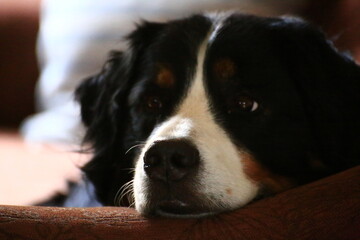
x=243, y=104
x=153, y=103
x=247, y=104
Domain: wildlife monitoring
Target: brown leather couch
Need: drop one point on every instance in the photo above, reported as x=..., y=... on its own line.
x=326, y=209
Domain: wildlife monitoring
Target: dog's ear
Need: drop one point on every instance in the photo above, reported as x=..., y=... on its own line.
x=102, y=97
x=96, y=90
x=328, y=83
x=103, y=102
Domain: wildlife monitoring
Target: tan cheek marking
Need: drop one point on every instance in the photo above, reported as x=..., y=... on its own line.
x=229, y=191
x=165, y=77
x=263, y=176
x=224, y=68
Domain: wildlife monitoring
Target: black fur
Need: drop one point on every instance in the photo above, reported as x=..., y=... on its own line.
x=308, y=95
x=113, y=126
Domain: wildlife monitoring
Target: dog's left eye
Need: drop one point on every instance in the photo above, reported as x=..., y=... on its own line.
x=243, y=104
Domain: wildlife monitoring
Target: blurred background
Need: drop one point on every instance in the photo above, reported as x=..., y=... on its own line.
x=31, y=173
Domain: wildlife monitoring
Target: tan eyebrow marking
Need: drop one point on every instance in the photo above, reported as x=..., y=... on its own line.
x=165, y=77
x=224, y=68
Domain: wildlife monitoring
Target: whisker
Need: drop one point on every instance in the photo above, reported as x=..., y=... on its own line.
x=135, y=146
x=125, y=190
x=122, y=192
x=132, y=205
x=130, y=196
x=131, y=170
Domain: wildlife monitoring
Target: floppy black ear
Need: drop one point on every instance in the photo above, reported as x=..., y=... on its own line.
x=103, y=102
x=94, y=94
x=329, y=85
x=102, y=97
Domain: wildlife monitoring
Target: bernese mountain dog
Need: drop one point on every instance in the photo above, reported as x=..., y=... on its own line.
x=208, y=113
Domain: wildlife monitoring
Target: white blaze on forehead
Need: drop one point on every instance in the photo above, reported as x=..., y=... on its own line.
x=218, y=19
x=221, y=180
x=222, y=170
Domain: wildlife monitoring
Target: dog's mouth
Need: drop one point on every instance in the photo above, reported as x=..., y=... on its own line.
x=178, y=209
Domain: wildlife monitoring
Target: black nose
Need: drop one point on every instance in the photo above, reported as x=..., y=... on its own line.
x=171, y=160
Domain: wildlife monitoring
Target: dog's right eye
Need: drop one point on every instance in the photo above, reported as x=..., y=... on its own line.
x=153, y=103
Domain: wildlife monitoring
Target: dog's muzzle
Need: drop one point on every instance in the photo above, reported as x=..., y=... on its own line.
x=171, y=167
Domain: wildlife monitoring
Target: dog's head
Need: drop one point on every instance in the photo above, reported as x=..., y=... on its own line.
x=213, y=112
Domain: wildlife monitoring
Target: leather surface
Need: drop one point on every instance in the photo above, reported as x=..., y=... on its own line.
x=326, y=209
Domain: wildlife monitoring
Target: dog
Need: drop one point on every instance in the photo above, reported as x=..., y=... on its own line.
x=208, y=113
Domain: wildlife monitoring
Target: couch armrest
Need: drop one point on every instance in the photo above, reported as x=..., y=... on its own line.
x=326, y=209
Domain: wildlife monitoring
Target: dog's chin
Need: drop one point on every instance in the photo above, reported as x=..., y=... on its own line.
x=177, y=209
